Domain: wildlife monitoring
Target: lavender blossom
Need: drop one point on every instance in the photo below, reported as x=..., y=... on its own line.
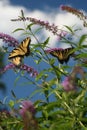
x=53, y=50
x=27, y=106
x=28, y=69
x=51, y=27
x=69, y=84
x=72, y=10
x=27, y=111
x=76, y=12
x=7, y=67
x=8, y=39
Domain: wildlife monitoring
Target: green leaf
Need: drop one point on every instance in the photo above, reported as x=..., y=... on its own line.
x=29, y=26
x=69, y=28
x=39, y=76
x=38, y=91
x=11, y=103
x=38, y=61
x=46, y=41
x=18, y=29
x=85, y=128
x=16, y=80
x=13, y=94
x=42, y=75
x=53, y=105
x=52, y=61
x=82, y=55
x=82, y=39
x=37, y=30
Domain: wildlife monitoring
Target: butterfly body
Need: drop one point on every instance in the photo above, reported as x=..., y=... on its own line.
x=62, y=55
x=20, y=51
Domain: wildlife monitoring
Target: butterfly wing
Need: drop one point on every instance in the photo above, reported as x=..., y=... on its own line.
x=21, y=50
x=62, y=55
x=58, y=54
x=66, y=54
x=17, y=61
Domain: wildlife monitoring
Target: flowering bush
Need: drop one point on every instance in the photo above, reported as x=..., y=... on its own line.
x=63, y=85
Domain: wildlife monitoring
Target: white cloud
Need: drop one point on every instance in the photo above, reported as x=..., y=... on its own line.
x=9, y=12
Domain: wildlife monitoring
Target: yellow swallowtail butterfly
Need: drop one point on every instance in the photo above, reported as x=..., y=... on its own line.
x=20, y=51
x=62, y=55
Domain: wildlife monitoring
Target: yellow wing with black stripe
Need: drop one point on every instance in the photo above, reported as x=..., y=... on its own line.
x=62, y=55
x=20, y=51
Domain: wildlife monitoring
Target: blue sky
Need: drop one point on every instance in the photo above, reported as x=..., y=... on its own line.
x=42, y=4
x=47, y=10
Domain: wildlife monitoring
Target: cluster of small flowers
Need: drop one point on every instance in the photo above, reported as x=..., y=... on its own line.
x=69, y=83
x=27, y=106
x=72, y=10
x=53, y=49
x=53, y=28
x=28, y=69
x=8, y=39
x=28, y=111
x=76, y=12
x=7, y=67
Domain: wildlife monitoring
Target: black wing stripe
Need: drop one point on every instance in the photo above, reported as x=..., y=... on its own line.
x=22, y=50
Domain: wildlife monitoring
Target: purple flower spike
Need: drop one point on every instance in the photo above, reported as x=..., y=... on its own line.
x=76, y=12
x=27, y=112
x=8, y=39
x=53, y=50
x=69, y=84
x=29, y=70
x=7, y=67
x=72, y=10
x=50, y=27
x=27, y=106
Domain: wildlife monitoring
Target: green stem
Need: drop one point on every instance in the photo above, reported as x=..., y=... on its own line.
x=69, y=109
